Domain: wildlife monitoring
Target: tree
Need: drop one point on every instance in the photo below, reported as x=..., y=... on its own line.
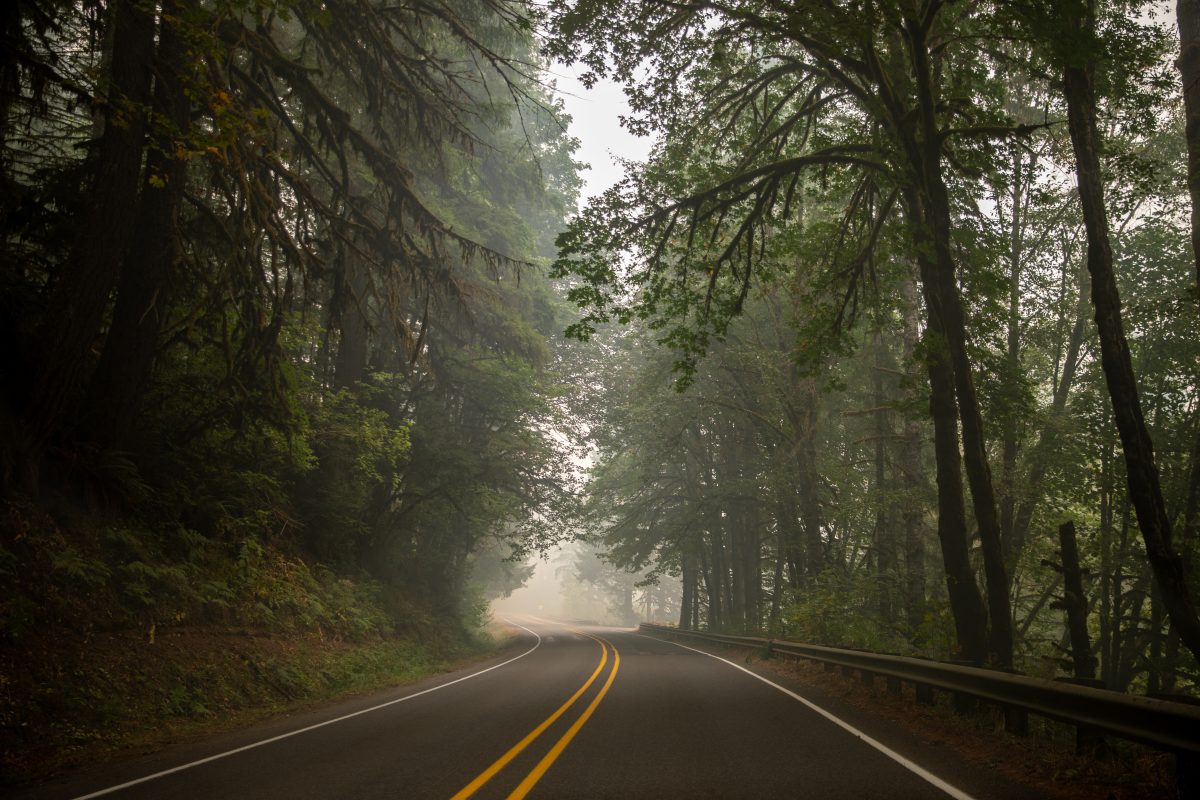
x=1141, y=471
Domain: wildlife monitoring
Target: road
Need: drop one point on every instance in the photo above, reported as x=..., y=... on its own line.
x=578, y=712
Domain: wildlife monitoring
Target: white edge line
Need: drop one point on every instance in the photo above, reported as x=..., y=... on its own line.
x=244, y=748
x=953, y=791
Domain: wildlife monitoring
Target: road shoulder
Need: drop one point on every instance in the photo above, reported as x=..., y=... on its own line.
x=969, y=752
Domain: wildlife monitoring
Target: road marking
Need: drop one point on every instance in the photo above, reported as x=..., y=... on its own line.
x=920, y=771
x=308, y=728
x=516, y=749
x=536, y=774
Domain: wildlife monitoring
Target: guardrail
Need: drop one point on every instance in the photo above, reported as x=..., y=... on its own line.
x=1162, y=724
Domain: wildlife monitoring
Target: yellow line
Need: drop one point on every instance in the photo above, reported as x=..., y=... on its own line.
x=545, y=764
x=485, y=776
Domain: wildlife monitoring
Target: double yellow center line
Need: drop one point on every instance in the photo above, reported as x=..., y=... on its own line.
x=548, y=760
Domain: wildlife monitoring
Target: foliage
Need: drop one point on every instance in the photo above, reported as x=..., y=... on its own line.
x=829, y=184
x=282, y=346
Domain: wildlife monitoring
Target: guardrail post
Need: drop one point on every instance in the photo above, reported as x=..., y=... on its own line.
x=1088, y=740
x=848, y=671
x=1187, y=774
x=893, y=684
x=965, y=703
x=867, y=678
x=1187, y=764
x=924, y=694
x=829, y=666
x=1016, y=720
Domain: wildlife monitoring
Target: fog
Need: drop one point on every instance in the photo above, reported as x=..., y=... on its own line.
x=541, y=595
x=575, y=583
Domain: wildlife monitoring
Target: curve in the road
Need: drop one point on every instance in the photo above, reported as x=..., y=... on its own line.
x=145, y=779
x=677, y=725
x=548, y=760
x=500, y=763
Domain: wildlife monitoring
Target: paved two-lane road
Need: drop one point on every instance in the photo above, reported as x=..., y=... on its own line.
x=579, y=712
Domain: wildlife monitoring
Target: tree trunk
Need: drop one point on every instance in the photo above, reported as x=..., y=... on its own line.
x=1191, y=523
x=971, y=619
x=1075, y=603
x=805, y=422
x=791, y=534
x=1187, y=16
x=126, y=363
x=912, y=470
x=713, y=581
x=1107, y=602
x=1145, y=492
x=884, y=535
x=752, y=564
x=80, y=295
x=732, y=521
x=1155, y=661
x=943, y=300
x=737, y=576
x=1010, y=437
x=777, y=587
x=688, y=570
x=947, y=318
x=350, y=315
x=966, y=604
x=730, y=617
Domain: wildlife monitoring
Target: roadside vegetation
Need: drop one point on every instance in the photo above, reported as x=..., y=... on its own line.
x=282, y=360
x=893, y=341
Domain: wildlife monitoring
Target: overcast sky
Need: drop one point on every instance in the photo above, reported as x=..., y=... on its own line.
x=595, y=115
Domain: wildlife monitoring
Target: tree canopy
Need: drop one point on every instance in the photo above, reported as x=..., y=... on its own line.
x=885, y=223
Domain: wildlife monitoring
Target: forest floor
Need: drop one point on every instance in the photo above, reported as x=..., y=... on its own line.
x=1044, y=760
x=70, y=701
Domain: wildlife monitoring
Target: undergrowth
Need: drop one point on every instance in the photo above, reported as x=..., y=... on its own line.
x=117, y=577
x=115, y=635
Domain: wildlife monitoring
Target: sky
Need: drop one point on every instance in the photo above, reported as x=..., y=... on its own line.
x=595, y=121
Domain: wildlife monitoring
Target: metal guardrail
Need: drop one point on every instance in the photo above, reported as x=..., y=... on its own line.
x=1162, y=724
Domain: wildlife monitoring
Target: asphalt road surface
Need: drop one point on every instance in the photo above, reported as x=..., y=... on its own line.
x=577, y=712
